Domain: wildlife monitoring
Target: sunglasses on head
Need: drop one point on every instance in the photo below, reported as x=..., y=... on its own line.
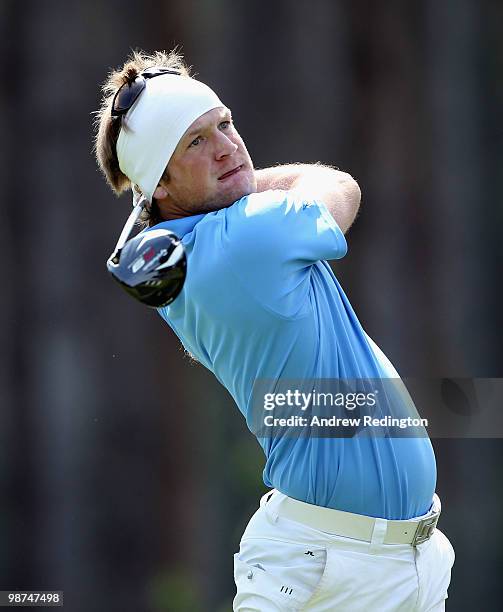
x=128, y=93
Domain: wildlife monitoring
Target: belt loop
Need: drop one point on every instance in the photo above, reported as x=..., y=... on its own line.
x=271, y=514
x=378, y=534
x=436, y=505
x=266, y=497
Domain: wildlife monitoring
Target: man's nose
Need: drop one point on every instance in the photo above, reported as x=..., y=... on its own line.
x=225, y=147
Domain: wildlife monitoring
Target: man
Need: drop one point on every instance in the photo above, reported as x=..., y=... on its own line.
x=350, y=522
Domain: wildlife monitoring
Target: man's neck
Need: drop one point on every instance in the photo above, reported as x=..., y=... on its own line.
x=169, y=210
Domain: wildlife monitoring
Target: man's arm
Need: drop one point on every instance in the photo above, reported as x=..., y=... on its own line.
x=337, y=190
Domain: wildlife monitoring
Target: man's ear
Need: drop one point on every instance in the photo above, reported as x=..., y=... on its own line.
x=160, y=193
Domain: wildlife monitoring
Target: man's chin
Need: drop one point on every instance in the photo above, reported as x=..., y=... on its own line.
x=245, y=187
x=228, y=199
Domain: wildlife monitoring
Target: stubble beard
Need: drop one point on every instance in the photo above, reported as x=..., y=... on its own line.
x=219, y=201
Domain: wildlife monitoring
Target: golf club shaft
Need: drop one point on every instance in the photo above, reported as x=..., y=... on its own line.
x=127, y=229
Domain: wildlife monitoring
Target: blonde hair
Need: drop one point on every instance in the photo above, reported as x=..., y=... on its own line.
x=107, y=128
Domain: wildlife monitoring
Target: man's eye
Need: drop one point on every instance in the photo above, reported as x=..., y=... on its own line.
x=225, y=124
x=195, y=142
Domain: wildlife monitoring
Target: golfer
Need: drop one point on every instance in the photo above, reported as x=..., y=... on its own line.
x=349, y=523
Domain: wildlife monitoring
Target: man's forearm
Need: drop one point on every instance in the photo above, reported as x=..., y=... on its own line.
x=279, y=177
x=336, y=189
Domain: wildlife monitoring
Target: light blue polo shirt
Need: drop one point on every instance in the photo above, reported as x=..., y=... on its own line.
x=261, y=301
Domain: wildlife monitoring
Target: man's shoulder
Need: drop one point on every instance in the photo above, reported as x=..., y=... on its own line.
x=257, y=203
x=264, y=206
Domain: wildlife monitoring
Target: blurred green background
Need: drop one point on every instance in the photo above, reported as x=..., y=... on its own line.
x=127, y=474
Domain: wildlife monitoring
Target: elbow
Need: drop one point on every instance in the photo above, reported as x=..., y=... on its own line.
x=352, y=192
x=352, y=196
x=356, y=198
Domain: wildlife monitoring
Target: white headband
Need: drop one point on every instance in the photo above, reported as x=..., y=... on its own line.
x=156, y=122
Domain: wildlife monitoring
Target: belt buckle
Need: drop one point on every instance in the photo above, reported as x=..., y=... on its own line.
x=425, y=529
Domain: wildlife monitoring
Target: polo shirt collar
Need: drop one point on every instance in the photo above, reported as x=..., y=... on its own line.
x=180, y=226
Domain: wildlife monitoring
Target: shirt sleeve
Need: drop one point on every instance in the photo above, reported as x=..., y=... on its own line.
x=272, y=240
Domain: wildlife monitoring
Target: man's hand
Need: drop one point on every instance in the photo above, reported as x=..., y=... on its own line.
x=337, y=190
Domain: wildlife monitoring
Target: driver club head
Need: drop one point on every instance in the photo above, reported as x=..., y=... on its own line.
x=151, y=267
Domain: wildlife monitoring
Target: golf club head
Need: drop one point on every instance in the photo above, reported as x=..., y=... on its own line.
x=151, y=267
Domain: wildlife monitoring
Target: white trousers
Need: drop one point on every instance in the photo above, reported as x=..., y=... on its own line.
x=285, y=565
